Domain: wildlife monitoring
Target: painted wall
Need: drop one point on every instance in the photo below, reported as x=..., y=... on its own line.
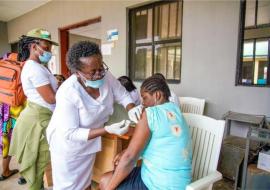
x=73, y=38
x=4, y=46
x=210, y=37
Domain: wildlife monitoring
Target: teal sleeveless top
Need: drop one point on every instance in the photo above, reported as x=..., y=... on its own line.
x=167, y=157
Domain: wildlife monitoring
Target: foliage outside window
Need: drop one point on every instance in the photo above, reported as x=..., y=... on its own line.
x=253, y=66
x=155, y=32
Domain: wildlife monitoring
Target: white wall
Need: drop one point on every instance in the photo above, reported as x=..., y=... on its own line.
x=4, y=46
x=210, y=37
x=57, y=14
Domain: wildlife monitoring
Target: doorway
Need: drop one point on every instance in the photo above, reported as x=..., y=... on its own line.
x=89, y=30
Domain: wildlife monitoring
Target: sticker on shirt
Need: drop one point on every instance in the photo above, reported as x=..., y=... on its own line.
x=185, y=153
x=171, y=115
x=176, y=130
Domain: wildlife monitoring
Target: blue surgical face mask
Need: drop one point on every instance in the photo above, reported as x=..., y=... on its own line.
x=92, y=83
x=45, y=57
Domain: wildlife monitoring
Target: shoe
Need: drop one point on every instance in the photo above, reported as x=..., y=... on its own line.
x=12, y=172
x=21, y=181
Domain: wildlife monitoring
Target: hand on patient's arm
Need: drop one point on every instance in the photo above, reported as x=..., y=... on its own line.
x=129, y=158
x=116, y=128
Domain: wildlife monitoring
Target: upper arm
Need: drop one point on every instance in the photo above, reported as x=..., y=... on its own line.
x=40, y=79
x=140, y=138
x=68, y=120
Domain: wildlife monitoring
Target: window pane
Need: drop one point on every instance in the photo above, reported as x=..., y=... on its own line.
x=263, y=12
x=167, y=60
x=143, y=26
x=167, y=23
x=250, y=13
x=262, y=48
x=248, y=50
x=143, y=62
x=261, y=60
x=247, y=67
x=247, y=70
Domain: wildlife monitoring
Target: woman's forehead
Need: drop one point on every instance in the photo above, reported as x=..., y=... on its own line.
x=45, y=43
x=91, y=62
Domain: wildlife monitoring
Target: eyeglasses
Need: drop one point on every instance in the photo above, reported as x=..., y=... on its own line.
x=97, y=74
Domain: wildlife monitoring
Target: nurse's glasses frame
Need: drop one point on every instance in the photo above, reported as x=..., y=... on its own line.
x=98, y=74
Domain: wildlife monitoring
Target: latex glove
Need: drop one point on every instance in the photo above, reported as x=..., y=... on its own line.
x=118, y=128
x=135, y=113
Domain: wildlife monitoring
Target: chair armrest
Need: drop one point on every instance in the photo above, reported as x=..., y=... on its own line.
x=205, y=181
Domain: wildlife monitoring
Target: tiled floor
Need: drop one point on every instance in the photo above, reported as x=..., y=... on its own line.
x=11, y=183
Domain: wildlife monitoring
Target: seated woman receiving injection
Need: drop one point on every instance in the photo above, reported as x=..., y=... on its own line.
x=163, y=141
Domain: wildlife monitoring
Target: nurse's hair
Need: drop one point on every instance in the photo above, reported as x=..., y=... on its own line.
x=79, y=50
x=127, y=83
x=154, y=84
x=24, y=47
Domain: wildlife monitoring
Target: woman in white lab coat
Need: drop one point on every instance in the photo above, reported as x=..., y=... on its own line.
x=83, y=104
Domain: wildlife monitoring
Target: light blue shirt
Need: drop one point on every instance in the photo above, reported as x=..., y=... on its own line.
x=167, y=157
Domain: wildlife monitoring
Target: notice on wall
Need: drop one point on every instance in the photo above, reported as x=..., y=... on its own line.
x=112, y=35
x=106, y=49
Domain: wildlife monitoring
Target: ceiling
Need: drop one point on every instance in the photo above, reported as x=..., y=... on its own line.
x=10, y=9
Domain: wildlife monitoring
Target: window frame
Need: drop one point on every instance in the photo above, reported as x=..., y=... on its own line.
x=130, y=67
x=240, y=49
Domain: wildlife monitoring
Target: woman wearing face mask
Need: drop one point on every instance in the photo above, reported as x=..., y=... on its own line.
x=163, y=141
x=83, y=104
x=29, y=144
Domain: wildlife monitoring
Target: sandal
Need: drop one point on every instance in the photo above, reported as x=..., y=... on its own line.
x=12, y=172
x=21, y=181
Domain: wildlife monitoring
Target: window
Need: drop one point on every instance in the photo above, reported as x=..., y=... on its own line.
x=155, y=32
x=253, y=66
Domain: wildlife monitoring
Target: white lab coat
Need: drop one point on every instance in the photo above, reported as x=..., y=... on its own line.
x=76, y=113
x=174, y=98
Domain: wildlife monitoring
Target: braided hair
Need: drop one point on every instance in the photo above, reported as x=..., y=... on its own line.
x=24, y=47
x=153, y=84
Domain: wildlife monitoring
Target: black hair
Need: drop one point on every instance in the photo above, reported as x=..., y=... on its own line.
x=153, y=84
x=79, y=50
x=24, y=47
x=159, y=75
x=127, y=83
x=60, y=76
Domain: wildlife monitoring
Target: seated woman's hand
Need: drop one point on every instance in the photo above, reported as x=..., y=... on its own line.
x=117, y=158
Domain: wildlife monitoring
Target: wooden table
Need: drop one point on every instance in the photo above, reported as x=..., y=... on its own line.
x=111, y=145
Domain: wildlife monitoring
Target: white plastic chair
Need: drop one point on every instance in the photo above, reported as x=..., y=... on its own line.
x=192, y=105
x=207, y=134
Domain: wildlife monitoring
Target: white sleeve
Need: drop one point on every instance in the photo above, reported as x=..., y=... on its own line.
x=67, y=115
x=120, y=93
x=173, y=98
x=38, y=77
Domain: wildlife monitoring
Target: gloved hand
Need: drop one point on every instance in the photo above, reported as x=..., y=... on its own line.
x=118, y=128
x=135, y=113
